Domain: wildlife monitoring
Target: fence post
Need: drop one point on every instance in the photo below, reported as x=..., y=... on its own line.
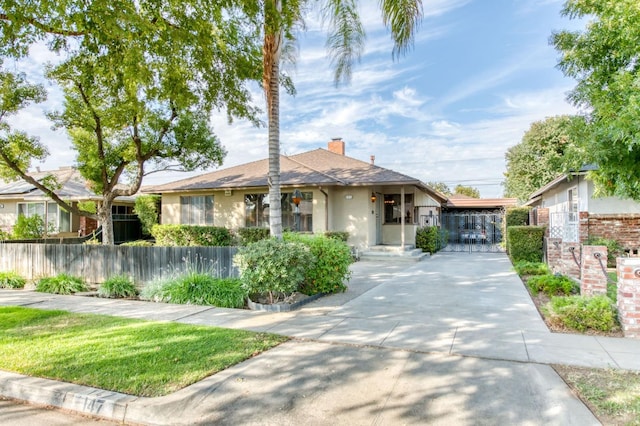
x=629, y=295
x=593, y=271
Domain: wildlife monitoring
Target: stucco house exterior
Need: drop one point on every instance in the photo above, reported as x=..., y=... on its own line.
x=22, y=198
x=339, y=193
x=572, y=212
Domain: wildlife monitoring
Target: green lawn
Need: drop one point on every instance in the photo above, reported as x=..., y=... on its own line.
x=130, y=356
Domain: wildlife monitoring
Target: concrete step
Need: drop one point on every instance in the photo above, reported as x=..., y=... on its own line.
x=411, y=255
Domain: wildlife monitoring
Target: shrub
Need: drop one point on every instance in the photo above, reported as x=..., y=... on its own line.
x=517, y=216
x=118, y=286
x=584, y=313
x=4, y=235
x=187, y=235
x=273, y=267
x=614, y=249
x=524, y=267
x=11, y=280
x=28, y=228
x=251, y=235
x=552, y=285
x=525, y=243
x=331, y=268
x=428, y=239
x=138, y=243
x=197, y=288
x=61, y=284
x=146, y=208
x=338, y=235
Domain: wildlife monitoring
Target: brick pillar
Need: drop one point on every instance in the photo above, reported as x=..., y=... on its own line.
x=543, y=219
x=569, y=267
x=629, y=295
x=593, y=281
x=87, y=226
x=583, y=226
x=554, y=254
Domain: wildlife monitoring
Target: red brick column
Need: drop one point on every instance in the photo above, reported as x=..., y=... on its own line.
x=567, y=261
x=583, y=226
x=629, y=295
x=554, y=254
x=593, y=281
x=543, y=218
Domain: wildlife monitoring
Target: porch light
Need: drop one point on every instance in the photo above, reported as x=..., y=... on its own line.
x=297, y=197
x=373, y=197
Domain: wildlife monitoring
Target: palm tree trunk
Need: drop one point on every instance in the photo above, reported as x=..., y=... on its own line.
x=271, y=85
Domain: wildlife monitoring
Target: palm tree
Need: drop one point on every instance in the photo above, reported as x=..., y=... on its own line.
x=345, y=43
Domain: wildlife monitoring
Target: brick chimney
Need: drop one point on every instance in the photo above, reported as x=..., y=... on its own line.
x=336, y=145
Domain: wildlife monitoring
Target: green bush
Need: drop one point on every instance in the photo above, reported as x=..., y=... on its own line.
x=28, y=228
x=251, y=235
x=525, y=243
x=138, y=243
x=118, y=286
x=11, y=280
x=187, y=235
x=614, y=249
x=197, y=288
x=273, y=267
x=524, y=267
x=4, y=235
x=146, y=208
x=517, y=216
x=338, y=235
x=552, y=285
x=428, y=239
x=331, y=268
x=61, y=284
x=584, y=313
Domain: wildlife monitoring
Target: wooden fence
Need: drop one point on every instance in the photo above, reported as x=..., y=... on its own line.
x=96, y=263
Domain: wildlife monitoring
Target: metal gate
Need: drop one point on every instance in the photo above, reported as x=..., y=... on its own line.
x=472, y=232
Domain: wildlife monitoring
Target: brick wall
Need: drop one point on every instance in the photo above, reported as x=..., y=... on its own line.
x=553, y=254
x=629, y=296
x=593, y=281
x=624, y=228
x=568, y=259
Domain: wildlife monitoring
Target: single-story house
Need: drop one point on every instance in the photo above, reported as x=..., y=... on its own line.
x=373, y=204
x=568, y=206
x=22, y=198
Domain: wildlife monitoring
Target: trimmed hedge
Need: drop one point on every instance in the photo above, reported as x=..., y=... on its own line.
x=428, y=239
x=525, y=243
x=517, y=216
x=252, y=235
x=188, y=235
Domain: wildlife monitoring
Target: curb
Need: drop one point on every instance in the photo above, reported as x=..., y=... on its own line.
x=68, y=396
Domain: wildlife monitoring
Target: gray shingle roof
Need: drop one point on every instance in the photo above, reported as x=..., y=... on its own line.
x=312, y=168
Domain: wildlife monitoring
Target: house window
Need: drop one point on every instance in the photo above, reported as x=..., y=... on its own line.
x=196, y=210
x=257, y=211
x=393, y=208
x=572, y=201
x=57, y=219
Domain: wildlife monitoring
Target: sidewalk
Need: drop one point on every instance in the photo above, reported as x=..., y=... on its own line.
x=455, y=338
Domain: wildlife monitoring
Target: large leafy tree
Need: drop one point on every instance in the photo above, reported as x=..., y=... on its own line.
x=540, y=156
x=345, y=44
x=604, y=58
x=469, y=191
x=140, y=79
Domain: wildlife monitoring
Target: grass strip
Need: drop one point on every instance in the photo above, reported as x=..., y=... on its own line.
x=135, y=357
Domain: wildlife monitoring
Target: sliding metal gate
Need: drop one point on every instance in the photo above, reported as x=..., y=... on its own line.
x=472, y=232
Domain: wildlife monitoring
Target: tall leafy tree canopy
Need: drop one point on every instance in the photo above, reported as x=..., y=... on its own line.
x=541, y=155
x=469, y=191
x=140, y=79
x=604, y=58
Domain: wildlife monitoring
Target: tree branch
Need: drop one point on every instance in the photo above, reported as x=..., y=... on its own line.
x=43, y=27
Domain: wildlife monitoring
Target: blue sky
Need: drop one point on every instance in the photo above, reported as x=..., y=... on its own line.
x=479, y=74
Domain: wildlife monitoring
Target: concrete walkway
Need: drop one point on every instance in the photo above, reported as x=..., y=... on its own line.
x=454, y=339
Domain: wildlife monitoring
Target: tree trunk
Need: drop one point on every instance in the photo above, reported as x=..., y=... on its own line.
x=271, y=85
x=106, y=221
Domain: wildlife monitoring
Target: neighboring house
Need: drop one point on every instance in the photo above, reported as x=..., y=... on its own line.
x=22, y=198
x=568, y=206
x=338, y=193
